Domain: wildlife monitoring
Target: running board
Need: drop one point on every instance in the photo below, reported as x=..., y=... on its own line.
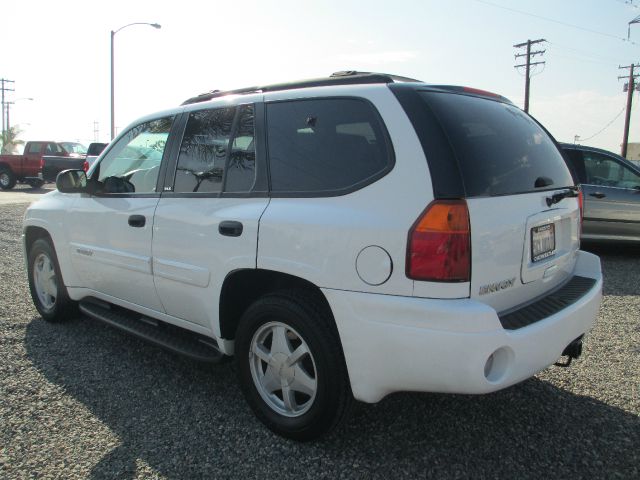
x=169, y=337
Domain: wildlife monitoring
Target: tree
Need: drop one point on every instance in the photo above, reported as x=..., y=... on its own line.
x=10, y=140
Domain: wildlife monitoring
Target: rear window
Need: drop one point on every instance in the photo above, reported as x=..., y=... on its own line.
x=500, y=149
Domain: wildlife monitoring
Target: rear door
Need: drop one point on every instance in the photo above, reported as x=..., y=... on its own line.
x=206, y=223
x=524, y=230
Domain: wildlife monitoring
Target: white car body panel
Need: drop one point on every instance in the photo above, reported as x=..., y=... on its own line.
x=444, y=345
x=191, y=259
x=107, y=254
x=501, y=247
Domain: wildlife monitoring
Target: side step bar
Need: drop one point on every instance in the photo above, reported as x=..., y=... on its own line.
x=174, y=339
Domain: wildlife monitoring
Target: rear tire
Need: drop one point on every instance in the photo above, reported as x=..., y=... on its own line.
x=290, y=365
x=48, y=292
x=7, y=178
x=36, y=183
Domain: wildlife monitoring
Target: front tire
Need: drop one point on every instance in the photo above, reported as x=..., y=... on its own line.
x=290, y=365
x=7, y=178
x=48, y=292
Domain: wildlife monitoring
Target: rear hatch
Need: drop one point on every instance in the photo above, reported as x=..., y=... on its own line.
x=523, y=209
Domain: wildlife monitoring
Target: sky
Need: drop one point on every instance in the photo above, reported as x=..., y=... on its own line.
x=58, y=54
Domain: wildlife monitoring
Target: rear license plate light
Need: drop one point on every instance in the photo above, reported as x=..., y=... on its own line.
x=543, y=242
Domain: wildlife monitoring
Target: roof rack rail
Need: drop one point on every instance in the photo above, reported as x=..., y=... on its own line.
x=347, y=77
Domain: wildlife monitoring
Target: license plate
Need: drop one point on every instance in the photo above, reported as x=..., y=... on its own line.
x=543, y=242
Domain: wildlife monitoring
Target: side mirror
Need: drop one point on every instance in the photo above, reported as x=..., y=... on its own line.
x=71, y=181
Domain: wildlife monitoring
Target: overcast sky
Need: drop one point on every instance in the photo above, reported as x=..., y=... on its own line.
x=57, y=52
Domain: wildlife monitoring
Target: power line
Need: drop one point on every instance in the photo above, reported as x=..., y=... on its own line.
x=605, y=127
x=559, y=22
x=594, y=58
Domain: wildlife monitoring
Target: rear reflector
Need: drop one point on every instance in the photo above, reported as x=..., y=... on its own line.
x=439, y=245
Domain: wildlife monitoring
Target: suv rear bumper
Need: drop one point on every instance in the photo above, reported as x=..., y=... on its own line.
x=396, y=343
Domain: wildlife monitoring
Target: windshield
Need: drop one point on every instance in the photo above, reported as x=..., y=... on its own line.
x=500, y=149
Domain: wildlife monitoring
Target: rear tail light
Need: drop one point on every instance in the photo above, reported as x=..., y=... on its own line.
x=85, y=166
x=439, y=245
x=41, y=163
x=581, y=204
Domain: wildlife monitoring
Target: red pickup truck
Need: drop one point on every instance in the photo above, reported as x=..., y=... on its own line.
x=26, y=168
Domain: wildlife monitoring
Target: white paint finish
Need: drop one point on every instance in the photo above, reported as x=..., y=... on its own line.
x=384, y=338
x=500, y=246
x=110, y=257
x=181, y=272
x=192, y=258
x=374, y=265
x=120, y=263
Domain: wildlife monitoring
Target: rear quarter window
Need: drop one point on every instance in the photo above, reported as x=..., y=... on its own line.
x=500, y=149
x=325, y=146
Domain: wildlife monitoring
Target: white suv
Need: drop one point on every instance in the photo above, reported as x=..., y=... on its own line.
x=346, y=237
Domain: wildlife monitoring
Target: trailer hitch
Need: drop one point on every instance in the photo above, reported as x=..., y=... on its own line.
x=571, y=351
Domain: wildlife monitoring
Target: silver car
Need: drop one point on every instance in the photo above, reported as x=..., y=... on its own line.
x=611, y=186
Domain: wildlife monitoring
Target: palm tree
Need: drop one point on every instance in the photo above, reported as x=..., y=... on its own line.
x=10, y=140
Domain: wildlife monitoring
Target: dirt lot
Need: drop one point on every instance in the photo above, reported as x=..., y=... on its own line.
x=80, y=400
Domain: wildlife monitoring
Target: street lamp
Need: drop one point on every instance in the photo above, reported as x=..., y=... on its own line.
x=113, y=34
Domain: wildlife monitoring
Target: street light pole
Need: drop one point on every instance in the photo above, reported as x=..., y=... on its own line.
x=113, y=34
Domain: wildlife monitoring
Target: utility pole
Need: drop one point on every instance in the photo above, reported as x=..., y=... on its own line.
x=627, y=119
x=528, y=64
x=8, y=107
x=96, y=131
x=4, y=87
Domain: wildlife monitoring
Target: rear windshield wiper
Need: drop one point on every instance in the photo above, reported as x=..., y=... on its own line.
x=557, y=197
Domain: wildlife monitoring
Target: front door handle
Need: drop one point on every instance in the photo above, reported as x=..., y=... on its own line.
x=137, y=221
x=230, y=228
x=597, y=195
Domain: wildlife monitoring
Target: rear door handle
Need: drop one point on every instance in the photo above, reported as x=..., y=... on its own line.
x=137, y=221
x=597, y=195
x=230, y=228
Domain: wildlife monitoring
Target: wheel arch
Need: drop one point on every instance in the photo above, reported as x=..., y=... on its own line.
x=33, y=233
x=243, y=287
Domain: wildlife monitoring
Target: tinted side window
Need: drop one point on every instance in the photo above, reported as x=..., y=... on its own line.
x=133, y=163
x=203, y=152
x=500, y=149
x=606, y=171
x=325, y=146
x=241, y=170
x=34, y=147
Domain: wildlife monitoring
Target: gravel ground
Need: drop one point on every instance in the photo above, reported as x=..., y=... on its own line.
x=81, y=400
